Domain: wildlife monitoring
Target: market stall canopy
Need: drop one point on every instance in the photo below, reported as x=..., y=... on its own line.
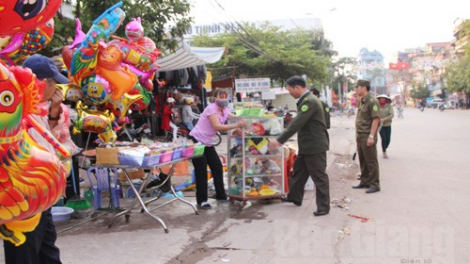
x=185, y=56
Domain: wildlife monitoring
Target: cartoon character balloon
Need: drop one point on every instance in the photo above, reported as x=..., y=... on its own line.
x=121, y=106
x=109, y=67
x=18, y=16
x=32, y=179
x=139, y=52
x=134, y=29
x=85, y=57
x=95, y=122
x=96, y=89
x=70, y=91
x=142, y=103
x=24, y=44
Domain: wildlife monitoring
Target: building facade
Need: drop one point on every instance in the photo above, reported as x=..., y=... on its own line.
x=371, y=67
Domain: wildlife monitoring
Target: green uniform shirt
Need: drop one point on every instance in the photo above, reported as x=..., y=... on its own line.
x=326, y=111
x=367, y=111
x=386, y=114
x=310, y=126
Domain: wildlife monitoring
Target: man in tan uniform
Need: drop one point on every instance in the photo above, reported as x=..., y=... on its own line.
x=367, y=122
x=313, y=140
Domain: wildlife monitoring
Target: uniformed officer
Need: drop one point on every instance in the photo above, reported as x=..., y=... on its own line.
x=313, y=143
x=326, y=108
x=367, y=122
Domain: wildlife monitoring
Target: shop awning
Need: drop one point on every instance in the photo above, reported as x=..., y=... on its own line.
x=185, y=56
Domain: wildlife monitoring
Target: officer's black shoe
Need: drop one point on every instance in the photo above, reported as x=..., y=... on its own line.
x=320, y=213
x=285, y=200
x=361, y=186
x=373, y=190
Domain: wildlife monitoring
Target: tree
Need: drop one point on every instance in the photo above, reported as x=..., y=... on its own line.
x=343, y=70
x=158, y=18
x=419, y=91
x=267, y=51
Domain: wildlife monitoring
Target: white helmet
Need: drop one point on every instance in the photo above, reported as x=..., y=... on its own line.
x=170, y=100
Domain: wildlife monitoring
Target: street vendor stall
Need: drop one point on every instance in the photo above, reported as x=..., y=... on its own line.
x=149, y=158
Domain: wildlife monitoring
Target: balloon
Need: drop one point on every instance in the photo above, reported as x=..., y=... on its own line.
x=142, y=103
x=18, y=16
x=145, y=77
x=109, y=67
x=138, y=50
x=68, y=50
x=32, y=179
x=85, y=57
x=24, y=44
x=70, y=91
x=134, y=30
x=96, y=89
x=95, y=122
x=137, y=55
x=79, y=35
x=120, y=107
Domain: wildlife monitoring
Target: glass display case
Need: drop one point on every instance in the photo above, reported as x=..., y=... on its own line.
x=254, y=171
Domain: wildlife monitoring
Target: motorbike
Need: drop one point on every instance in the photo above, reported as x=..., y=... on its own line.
x=130, y=133
x=421, y=108
x=442, y=107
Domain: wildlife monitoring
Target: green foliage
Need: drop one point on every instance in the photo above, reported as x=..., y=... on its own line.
x=457, y=74
x=343, y=71
x=419, y=91
x=266, y=51
x=158, y=17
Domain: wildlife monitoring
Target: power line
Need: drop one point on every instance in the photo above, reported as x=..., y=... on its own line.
x=256, y=49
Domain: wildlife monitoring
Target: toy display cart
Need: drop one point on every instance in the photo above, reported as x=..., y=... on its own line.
x=255, y=172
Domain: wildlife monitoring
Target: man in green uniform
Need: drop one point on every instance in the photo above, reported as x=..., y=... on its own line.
x=313, y=143
x=326, y=108
x=367, y=122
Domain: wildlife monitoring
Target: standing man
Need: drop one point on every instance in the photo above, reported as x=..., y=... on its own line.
x=326, y=108
x=313, y=143
x=367, y=122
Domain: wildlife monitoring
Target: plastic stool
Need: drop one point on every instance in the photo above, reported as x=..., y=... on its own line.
x=104, y=182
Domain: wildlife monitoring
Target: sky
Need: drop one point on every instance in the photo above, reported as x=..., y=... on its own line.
x=387, y=26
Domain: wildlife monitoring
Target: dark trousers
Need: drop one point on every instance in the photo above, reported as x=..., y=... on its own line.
x=385, y=135
x=368, y=161
x=39, y=247
x=315, y=166
x=211, y=158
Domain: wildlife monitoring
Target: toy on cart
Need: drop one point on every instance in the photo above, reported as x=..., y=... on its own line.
x=255, y=172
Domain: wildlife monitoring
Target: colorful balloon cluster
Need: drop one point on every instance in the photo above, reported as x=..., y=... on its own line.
x=115, y=76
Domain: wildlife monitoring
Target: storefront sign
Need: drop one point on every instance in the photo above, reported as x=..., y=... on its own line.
x=252, y=85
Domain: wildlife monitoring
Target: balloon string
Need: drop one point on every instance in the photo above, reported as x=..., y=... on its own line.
x=48, y=136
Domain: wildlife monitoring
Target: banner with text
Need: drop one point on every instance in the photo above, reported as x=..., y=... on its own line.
x=252, y=85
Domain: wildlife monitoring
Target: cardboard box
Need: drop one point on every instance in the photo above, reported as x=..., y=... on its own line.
x=133, y=174
x=107, y=156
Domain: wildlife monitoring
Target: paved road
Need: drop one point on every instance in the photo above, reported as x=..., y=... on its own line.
x=420, y=216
